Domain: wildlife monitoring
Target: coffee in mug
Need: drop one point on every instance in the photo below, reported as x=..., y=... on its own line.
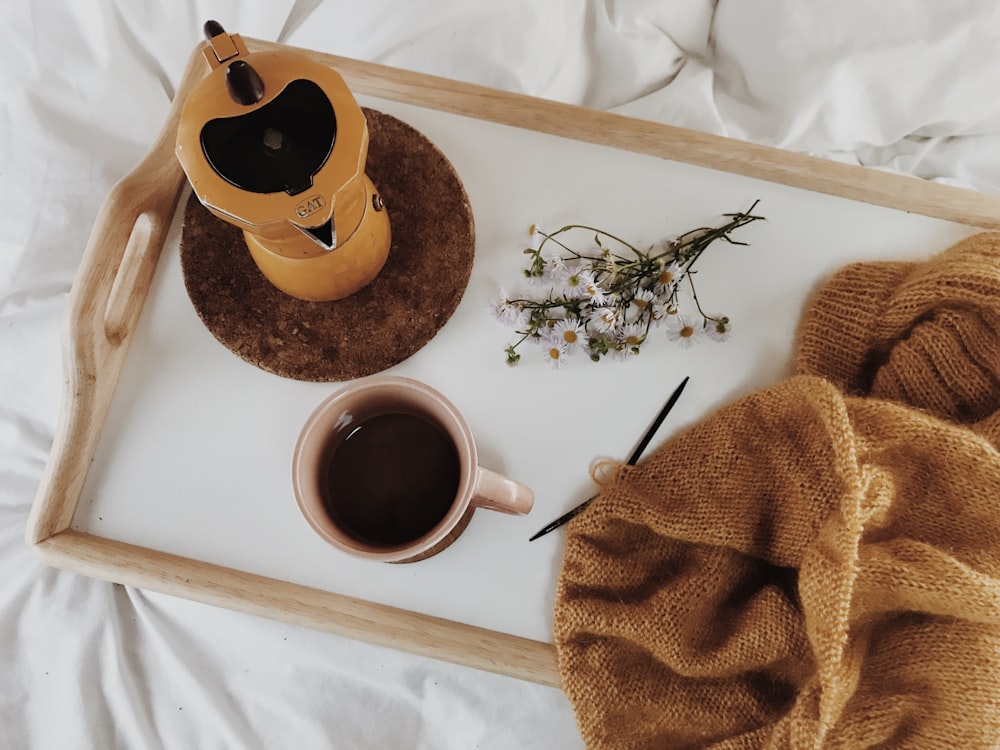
x=387, y=469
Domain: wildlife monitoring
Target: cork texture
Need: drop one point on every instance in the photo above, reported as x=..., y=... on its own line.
x=418, y=289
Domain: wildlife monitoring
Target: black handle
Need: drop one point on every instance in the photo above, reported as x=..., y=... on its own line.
x=212, y=29
x=244, y=83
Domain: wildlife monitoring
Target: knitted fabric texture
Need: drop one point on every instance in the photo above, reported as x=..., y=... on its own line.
x=816, y=565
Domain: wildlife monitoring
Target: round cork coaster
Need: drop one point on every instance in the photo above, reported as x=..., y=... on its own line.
x=414, y=295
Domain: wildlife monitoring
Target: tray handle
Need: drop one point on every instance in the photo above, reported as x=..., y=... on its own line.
x=134, y=274
x=103, y=309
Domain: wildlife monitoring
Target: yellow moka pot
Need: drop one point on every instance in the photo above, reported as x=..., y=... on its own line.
x=274, y=143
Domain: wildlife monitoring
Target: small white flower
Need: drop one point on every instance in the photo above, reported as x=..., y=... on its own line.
x=570, y=333
x=633, y=335
x=608, y=319
x=681, y=330
x=553, y=273
x=628, y=341
x=720, y=329
x=557, y=267
x=668, y=278
x=505, y=309
x=644, y=301
x=576, y=282
x=664, y=310
x=554, y=352
x=595, y=295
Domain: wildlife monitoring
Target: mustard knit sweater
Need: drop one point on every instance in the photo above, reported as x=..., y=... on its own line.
x=816, y=565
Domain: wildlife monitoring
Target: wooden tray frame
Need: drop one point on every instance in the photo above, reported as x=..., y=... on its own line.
x=115, y=275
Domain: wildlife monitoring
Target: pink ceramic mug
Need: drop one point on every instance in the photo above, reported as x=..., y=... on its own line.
x=387, y=469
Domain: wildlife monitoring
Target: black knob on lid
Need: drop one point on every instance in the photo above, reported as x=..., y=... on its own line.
x=244, y=83
x=213, y=28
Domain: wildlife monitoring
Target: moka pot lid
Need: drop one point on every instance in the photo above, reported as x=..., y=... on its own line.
x=270, y=137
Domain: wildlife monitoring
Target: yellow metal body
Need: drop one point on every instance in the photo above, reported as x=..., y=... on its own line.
x=275, y=224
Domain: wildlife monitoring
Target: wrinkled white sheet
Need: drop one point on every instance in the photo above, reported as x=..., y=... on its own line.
x=905, y=85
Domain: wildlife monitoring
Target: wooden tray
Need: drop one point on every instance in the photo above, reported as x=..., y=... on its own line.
x=139, y=214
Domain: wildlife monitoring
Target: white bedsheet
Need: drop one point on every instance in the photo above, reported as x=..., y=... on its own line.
x=903, y=85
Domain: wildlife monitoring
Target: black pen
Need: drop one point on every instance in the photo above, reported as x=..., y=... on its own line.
x=636, y=455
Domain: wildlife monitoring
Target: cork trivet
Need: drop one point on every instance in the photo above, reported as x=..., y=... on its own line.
x=414, y=295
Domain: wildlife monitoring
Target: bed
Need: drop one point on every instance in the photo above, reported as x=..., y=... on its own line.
x=905, y=87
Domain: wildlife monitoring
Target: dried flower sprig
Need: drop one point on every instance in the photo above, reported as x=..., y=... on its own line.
x=607, y=302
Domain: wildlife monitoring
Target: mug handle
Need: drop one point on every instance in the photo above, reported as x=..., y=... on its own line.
x=496, y=492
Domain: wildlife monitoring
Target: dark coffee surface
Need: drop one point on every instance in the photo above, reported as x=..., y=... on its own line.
x=418, y=289
x=392, y=479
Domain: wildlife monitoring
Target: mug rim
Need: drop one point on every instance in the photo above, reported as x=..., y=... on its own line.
x=311, y=443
